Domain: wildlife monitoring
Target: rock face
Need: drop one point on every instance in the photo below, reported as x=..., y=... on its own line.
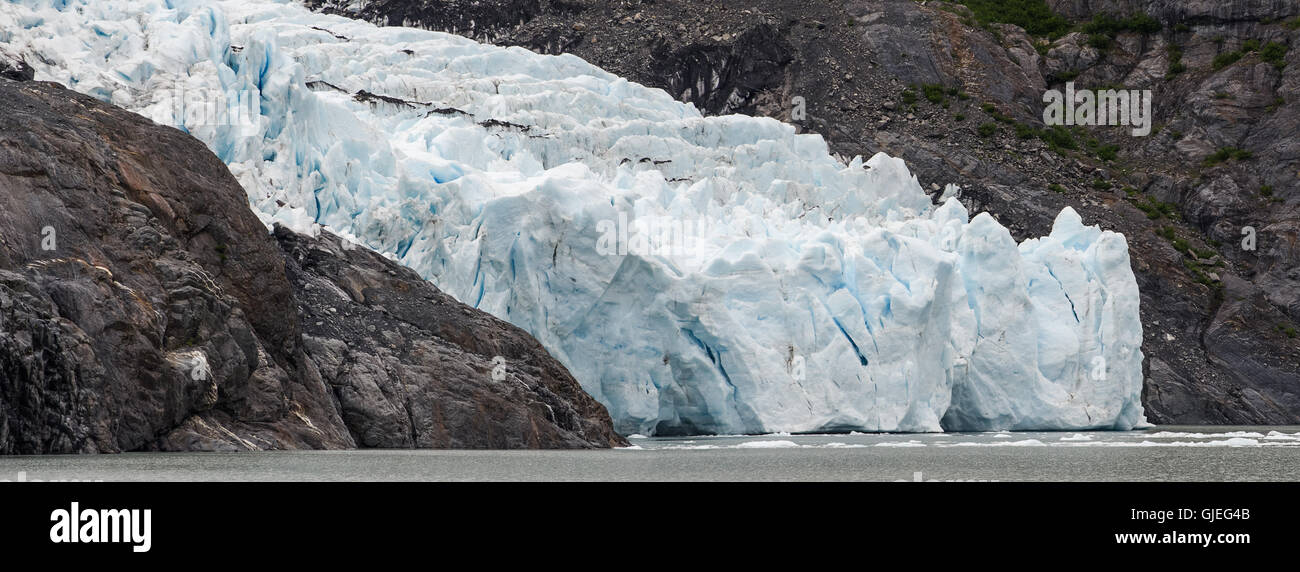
x=1219, y=319
x=13, y=67
x=144, y=307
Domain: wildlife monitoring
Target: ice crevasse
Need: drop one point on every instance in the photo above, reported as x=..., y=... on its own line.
x=696, y=274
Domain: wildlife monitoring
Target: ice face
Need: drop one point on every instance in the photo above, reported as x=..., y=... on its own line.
x=697, y=275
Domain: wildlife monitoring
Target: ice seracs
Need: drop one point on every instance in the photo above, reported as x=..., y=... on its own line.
x=755, y=283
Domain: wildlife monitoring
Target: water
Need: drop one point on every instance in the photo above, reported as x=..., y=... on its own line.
x=1162, y=454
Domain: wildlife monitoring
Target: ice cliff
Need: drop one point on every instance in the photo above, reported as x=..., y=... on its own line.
x=719, y=274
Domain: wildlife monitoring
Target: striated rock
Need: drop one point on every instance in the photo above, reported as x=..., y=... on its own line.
x=1178, y=10
x=139, y=291
x=144, y=307
x=1070, y=55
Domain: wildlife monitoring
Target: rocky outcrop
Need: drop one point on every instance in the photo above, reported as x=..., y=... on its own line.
x=144, y=307
x=14, y=68
x=1219, y=320
x=1179, y=10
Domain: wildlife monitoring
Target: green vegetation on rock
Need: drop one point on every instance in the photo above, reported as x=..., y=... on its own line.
x=1033, y=15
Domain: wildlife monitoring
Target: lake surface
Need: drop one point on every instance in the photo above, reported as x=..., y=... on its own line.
x=1161, y=454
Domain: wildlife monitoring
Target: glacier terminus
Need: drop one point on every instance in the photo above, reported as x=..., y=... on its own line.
x=696, y=274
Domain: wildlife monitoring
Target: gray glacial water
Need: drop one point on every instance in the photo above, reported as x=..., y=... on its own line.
x=1160, y=454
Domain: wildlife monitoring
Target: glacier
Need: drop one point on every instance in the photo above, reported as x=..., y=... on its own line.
x=696, y=274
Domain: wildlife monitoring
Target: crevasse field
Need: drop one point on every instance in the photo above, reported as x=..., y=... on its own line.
x=697, y=275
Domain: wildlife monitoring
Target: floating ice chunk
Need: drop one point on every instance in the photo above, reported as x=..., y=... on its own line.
x=768, y=445
x=1021, y=443
x=1233, y=442
x=1193, y=435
